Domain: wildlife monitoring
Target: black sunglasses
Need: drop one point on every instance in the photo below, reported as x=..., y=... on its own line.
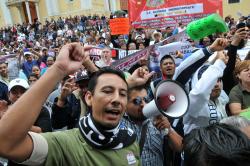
x=138, y=100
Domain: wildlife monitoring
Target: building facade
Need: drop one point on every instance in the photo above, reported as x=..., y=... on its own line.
x=236, y=8
x=18, y=11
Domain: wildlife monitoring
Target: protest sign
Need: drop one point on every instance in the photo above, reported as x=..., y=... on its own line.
x=126, y=62
x=170, y=49
x=3, y=58
x=162, y=13
x=119, y=26
x=150, y=52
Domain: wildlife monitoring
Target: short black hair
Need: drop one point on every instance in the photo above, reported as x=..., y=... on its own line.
x=33, y=75
x=136, y=88
x=166, y=57
x=216, y=145
x=105, y=70
x=3, y=62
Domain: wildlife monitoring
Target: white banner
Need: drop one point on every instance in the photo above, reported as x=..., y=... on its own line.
x=170, y=49
x=172, y=11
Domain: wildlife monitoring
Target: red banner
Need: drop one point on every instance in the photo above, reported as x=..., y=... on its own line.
x=163, y=13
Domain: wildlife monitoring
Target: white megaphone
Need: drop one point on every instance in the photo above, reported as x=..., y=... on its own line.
x=171, y=100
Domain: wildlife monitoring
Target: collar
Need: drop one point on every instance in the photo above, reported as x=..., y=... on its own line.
x=4, y=80
x=242, y=88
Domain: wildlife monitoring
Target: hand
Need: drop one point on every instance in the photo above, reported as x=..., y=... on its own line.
x=70, y=58
x=86, y=59
x=67, y=89
x=3, y=107
x=161, y=122
x=89, y=64
x=143, y=61
x=239, y=35
x=139, y=77
x=222, y=56
x=218, y=45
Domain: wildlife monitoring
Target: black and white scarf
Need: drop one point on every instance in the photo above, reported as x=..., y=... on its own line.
x=116, y=138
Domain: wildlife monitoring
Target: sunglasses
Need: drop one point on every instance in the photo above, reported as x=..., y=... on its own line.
x=138, y=100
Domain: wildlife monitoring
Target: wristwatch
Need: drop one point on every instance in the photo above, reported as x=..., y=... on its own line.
x=166, y=131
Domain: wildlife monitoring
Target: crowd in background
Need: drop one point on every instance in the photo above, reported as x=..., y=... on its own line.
x=218, y=87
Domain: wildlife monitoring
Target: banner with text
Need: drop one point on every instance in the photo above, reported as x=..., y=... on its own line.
x=152, y=53
x=163, y=13
x=3, y=58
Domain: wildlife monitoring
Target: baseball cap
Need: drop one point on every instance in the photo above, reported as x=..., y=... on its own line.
x=44, y=48
x=138, y=37
x=81, y=75
x=27, y=53
x=18, y=82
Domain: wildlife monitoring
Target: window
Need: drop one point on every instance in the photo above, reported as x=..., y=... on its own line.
x=233, y=1
x=69, y=1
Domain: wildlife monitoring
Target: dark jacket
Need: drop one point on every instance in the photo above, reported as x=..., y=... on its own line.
x=3, y=91
x=68, y=115
x=43, y=121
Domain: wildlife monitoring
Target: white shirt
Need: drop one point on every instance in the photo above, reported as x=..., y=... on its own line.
x=202, y=111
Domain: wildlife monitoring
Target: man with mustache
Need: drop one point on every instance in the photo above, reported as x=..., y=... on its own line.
x=99, y=140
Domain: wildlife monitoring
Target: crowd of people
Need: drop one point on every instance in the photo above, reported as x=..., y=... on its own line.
x=59, y=107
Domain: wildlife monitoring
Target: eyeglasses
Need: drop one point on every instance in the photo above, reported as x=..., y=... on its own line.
x=138, y=100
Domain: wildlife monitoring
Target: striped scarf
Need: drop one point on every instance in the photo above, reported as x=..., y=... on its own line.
x=116, y=138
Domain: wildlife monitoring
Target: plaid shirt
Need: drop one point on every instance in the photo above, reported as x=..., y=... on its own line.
x=152, y=153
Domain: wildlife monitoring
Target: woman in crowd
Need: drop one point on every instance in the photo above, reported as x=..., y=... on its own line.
x=240, y=95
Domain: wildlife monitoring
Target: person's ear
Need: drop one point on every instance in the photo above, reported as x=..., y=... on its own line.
x=88, y=98
x=238, y=76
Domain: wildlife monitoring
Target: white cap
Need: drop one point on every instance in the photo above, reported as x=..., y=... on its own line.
x=136, y=37
x=27, y=53
x=18, y=82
